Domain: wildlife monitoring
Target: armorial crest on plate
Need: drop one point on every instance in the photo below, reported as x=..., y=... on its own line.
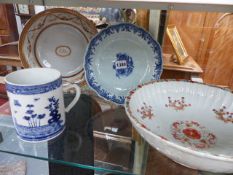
x=63, y=51
x=178, y=105
x=224, y=115
x=123, y=65
x=192, y=134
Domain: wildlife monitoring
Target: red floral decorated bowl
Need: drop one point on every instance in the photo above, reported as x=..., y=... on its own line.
x=191, y=123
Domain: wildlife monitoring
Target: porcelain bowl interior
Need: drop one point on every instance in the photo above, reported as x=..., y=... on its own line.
x=119, y=58
x=57, y=38
x=192, y=123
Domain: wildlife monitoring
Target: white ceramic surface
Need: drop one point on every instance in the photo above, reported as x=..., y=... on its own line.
x=57, y=38
x=192, y=123
x=36, y=102
x=119, y=58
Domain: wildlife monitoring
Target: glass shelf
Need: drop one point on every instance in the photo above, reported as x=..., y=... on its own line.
x=101, y=143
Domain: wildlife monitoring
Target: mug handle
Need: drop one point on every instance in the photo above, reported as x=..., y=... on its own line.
x=74, y=101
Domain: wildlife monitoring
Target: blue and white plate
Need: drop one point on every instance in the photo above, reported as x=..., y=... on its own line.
x=119, y=58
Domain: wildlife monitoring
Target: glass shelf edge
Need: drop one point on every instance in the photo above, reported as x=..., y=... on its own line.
x=71, y=164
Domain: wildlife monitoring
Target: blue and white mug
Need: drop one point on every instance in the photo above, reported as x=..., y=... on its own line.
x=37, y=104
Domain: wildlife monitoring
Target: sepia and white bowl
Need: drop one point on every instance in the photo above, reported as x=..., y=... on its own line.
x=191, y=123
x=57, y=38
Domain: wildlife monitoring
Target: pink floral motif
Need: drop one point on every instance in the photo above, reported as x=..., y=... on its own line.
x=224, y=115
x=193, y=134
x=146, y=111
x=178, y=105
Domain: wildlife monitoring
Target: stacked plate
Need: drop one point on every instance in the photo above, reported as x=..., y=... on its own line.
x=57, y=38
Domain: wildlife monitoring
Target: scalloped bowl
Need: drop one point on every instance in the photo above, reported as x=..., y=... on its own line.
x=191, y=123
x=119, y=58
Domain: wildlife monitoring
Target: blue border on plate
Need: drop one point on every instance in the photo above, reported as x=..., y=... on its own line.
x=90, y=52
x=36, y=89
